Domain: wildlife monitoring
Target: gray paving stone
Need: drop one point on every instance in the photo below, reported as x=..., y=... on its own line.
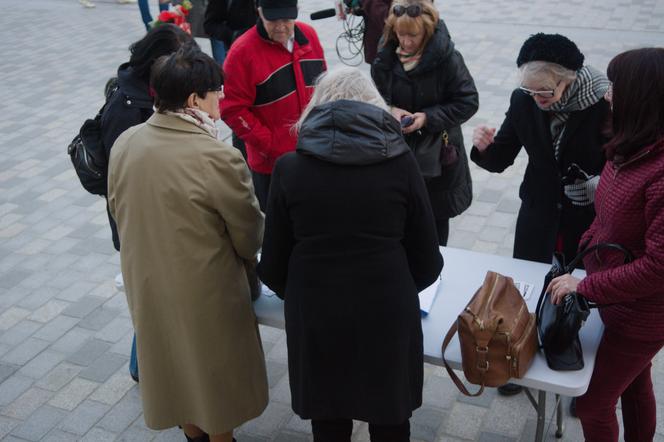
x=425, y=423
x=136, y=434
x=288, y=436
x=25, y=404
x=115, y=330
x=98, y=435
x=6, y=426
x=6, y=370
x=59, y=436
x=274, y=416
x=483, y=400
x=13, y=387
x=58, y=377
x=39, y=423
x=84, y=306
x=99, y=318
x=56, y=329
x=25, y=351
x=123, y=414
x=104, y=367
x=10, y=279
x=275, y=372
x=493, y=437
x=439, y=392
x=19, y=332
x=88, y=352
x=84, y=417
x=464, y=421
x=41, y=364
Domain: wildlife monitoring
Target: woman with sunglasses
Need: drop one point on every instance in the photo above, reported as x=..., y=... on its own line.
x=429, y=89
x=558, y=115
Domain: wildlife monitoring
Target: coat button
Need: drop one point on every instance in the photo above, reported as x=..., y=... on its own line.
x=129, y=102
x=560, y=206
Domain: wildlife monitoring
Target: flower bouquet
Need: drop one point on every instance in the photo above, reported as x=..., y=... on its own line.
x=177, y=15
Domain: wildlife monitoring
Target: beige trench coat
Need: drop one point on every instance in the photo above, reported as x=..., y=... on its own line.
x=188, y=218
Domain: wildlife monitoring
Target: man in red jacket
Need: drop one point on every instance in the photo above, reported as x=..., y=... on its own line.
x=269, y=79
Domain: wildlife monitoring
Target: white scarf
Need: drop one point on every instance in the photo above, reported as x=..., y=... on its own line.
x=197, y=117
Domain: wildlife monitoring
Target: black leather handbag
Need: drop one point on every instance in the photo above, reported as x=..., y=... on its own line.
x=558, y=325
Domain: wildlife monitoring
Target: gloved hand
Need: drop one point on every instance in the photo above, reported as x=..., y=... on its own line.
x=582, y=192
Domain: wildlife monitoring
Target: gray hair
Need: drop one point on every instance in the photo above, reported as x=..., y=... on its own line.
x=545, y=74
x=343, y=83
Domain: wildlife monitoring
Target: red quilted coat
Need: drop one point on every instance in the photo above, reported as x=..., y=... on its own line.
x=630, y=211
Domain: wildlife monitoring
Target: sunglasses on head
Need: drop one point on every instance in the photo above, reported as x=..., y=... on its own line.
x=411, y=10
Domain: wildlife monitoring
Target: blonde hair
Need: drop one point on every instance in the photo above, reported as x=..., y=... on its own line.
x=343, y=83
x=426, y=21
x=545, y=74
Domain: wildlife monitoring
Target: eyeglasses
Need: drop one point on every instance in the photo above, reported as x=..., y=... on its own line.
x=412, y=10
x=543, y=94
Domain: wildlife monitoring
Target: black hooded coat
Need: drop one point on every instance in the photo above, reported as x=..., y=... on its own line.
x=349, y=241
x=440, y=86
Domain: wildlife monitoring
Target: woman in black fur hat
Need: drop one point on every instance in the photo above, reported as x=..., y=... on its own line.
x=557, y=114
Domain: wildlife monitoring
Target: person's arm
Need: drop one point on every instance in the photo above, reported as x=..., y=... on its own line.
x=216, y=20
x=421, y=238
x=501, y=152
x=279, y=240
x=645, y=275
x=116, y=119
x=461, y=102
x=237, y=103
x=232, y=195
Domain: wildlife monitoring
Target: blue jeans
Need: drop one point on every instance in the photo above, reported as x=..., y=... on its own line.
x=219, y=50
x=145, y=12
x=133, y=361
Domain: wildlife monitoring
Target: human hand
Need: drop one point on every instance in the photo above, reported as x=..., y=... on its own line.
x=582, y=190
x=483, y=137
x=419, y=121
x=561, y=287
x=399, y=113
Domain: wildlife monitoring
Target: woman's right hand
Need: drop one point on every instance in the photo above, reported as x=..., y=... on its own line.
x=483, y=137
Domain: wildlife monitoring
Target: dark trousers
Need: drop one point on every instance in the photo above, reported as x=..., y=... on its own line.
x=622, y=370
x=261, y=188
x=340, y=430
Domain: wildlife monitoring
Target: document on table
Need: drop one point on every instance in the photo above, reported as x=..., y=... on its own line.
x=525, y=288
x=427, y=296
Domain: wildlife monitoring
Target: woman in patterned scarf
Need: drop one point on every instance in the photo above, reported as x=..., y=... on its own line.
x=558, y=115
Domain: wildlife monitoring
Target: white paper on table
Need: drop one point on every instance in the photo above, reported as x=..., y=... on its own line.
x=525, y=288
x=427, y=296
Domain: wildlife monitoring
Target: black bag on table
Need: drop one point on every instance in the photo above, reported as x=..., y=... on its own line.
x=558, y=325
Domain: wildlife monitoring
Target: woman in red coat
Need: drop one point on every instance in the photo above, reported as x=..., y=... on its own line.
x=630, y=211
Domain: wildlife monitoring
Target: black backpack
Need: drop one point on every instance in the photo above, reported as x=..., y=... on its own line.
x=87, y=151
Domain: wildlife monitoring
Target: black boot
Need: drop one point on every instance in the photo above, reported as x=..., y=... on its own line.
x=510, y=389
x=203, y=438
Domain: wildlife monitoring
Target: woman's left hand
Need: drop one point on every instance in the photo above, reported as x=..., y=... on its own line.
x=561, y=287
x=419, y=121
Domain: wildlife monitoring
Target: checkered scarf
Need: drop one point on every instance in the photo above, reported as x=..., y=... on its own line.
x=588, y=88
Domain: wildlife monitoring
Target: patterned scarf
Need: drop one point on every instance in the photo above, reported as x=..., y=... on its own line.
x=409, y=61
x=197, y=117
x=588, y=88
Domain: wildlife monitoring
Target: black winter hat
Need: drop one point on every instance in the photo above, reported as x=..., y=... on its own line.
x=553, y=48
x=278, y=9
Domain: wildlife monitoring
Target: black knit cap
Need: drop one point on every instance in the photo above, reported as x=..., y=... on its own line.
x=553, y=48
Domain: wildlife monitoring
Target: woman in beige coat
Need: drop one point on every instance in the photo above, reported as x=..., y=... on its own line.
x=188, y=220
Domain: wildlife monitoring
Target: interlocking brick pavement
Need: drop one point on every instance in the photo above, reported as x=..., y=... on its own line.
x=65, y=331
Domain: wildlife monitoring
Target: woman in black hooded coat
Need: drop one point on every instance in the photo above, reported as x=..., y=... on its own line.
x=422, y=76
x=349, y=242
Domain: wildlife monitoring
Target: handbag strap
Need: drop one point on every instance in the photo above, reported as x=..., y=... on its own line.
x=629, y=257
x=462, y=388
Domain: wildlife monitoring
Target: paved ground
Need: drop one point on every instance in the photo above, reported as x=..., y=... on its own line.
x=65, y=331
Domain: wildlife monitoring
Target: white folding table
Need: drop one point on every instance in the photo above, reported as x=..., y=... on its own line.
x=462, y=275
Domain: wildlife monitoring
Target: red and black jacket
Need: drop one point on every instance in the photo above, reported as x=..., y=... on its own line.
x=266, y=89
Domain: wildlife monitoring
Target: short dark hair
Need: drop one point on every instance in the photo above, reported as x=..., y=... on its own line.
x=638, y=94
x=161, y=40
x=175, y=77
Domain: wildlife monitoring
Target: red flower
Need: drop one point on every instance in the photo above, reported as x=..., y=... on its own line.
x=165, y=16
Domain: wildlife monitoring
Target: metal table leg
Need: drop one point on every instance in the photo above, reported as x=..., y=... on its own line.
x=540, y=406
x=560, y=430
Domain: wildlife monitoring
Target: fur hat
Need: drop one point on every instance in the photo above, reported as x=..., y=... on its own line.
x=553, y=48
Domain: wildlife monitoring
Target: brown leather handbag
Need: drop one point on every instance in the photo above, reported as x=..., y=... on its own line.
x=498, y=335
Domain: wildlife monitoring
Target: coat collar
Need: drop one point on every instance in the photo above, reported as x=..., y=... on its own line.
x=174, y=123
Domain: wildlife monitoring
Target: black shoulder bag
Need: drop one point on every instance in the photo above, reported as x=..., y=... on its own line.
x=558, y=325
